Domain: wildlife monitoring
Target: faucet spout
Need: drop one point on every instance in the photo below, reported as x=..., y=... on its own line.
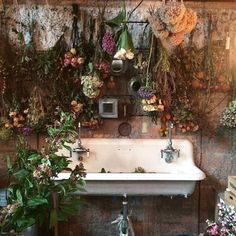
x=169, y=152
x=80, y=149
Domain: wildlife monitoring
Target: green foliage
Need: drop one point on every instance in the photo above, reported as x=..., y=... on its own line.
x=33, y=184
x=125, y=40
x=6, y=134
x=118, y=20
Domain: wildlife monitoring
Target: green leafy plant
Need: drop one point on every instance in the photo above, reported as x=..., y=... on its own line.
x=124, y=37
x=33, y=187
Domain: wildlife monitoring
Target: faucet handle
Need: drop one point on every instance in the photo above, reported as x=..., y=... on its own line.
x=162, y=151
x=178, y=152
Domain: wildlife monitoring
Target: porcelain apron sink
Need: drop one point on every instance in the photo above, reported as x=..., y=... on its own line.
x=120, y=157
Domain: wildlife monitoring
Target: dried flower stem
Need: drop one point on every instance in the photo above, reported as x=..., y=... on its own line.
x=100, y=20
x=149, y=59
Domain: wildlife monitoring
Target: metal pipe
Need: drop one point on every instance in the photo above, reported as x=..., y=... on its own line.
x=124, y=226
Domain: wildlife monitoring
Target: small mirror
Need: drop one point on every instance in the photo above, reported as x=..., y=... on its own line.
x=108, y=107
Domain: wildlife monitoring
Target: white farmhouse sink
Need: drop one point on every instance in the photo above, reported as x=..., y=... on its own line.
x=122, y=156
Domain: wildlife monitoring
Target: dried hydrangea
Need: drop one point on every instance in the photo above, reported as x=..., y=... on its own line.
x=91, y=85
x=228, y=117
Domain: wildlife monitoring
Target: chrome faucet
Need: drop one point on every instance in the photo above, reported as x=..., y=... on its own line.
x=80, y=149
x=169, y=152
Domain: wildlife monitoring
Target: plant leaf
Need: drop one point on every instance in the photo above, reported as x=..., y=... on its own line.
x=118, y=20
x=37, y=201
x=62, y=188
x=19, y=197
x=9, y=163
x=53, y=218
x=125, y=41
x=30, y=183
x=33, y=156
x=21, y=173
x=25, y=222
x=67, y=147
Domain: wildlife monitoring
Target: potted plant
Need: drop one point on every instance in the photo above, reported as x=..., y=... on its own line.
x=225, y=224
x=35, y=197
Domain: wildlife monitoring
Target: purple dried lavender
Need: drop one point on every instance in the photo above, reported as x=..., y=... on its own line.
x=108, y=43
x=146, y=92
x=27, y=130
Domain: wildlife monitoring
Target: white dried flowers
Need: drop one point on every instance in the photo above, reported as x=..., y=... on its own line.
x=123, y=54
x=228, y=117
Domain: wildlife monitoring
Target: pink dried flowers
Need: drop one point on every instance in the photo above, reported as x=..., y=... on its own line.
x=226, y=223
x=108, y=43
x=71, y=58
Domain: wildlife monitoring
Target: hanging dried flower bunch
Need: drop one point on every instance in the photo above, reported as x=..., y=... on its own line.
x=171, y=21
x=36, y=111
x=71, y=58
x=91, y=85
x=171, y=12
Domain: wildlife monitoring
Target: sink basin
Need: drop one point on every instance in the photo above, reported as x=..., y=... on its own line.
x=122, y=156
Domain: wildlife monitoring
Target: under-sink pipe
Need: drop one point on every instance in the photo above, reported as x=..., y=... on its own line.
x=123, y=221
